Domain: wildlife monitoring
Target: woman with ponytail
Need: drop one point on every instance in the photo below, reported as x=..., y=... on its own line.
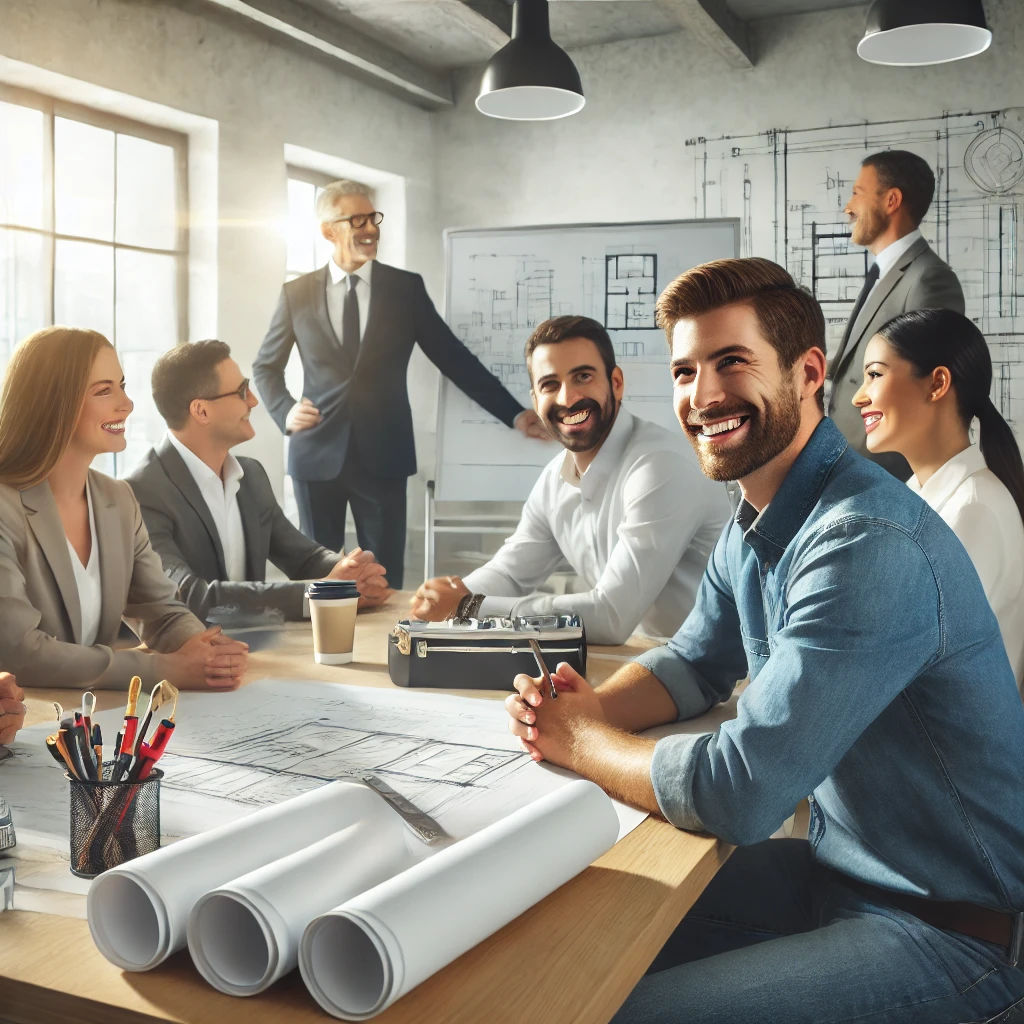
x=927, y=376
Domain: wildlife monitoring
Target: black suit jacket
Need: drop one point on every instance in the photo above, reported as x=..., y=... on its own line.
x=369, y=407
x=183, y=533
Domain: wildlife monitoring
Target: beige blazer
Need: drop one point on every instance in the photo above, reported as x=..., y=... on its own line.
x=40, y=613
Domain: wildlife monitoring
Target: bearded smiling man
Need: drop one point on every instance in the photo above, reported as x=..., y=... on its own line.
x=879, y=685
x=626, y=505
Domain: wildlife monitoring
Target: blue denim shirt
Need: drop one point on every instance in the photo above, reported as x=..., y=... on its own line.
x=878, y=683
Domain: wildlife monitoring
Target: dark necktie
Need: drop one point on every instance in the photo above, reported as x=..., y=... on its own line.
x=869, y=282
x=350, y=325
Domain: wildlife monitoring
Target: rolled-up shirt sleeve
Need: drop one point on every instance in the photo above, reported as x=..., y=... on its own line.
x=837, y=659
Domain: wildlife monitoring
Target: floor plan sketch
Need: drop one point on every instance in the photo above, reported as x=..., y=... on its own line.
x=789, y=187
x=631, y=291
x=502, y=283
x=231, y=753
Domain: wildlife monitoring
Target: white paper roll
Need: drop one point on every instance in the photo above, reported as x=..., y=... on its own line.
x=245, y=935
x=138, y=911
x=368, y=952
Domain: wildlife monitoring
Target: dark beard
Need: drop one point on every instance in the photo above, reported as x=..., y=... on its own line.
x=601, y=422
x=771, y=431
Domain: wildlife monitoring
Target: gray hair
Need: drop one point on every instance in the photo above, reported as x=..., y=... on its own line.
x=327, y=200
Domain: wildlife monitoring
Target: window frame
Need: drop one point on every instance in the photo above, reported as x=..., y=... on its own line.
x=52, y=108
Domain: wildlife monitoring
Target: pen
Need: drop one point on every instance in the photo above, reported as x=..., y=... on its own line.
x=123, y=753
x=81, y=739
x=97, y=746
x=88, y=709
x=535, y=647
x=150, y=753
x=70, y=753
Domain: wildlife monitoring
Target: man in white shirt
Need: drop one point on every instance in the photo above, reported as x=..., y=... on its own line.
x=626, y=505
x=891, y=195
x=213, y=518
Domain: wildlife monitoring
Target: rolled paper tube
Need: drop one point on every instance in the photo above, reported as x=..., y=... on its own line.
x=138, y=911
x=245, y=935
x=363, y=955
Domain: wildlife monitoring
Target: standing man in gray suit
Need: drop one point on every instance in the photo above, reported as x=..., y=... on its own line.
x=355, y=322
x=891, y=195
x=213, y=519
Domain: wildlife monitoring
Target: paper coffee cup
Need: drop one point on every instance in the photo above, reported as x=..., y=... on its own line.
x=332, y=611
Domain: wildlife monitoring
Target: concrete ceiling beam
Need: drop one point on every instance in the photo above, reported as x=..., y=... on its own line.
x=355, y=50
x=713, y=24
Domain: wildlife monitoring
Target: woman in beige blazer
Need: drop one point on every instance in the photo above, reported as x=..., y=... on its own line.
x=64, y=403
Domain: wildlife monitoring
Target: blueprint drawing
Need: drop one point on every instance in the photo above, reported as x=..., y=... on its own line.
x=232, y=753
x=789, y=187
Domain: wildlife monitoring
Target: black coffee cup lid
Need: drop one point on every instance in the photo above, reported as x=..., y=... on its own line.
x=332, y=589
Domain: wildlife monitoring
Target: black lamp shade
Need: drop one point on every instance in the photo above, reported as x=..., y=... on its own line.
x=908, y=33
x=530, y=78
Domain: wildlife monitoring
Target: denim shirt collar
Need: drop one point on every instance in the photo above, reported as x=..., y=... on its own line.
x=769, y=533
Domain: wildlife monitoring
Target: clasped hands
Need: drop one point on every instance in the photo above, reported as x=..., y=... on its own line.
x=369, y=574
x=549, y=729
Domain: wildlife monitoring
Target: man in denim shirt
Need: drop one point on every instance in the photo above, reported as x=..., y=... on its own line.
x=878, y=683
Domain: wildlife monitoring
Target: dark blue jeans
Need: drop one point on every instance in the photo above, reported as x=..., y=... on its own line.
x=776, y=938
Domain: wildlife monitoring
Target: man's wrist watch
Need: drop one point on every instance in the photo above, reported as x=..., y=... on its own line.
x=468, y=607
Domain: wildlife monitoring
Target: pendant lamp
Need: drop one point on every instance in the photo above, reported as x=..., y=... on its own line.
x=530, y=78
x=907, y=33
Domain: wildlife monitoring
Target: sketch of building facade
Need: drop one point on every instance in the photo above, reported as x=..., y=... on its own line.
x=789, y=187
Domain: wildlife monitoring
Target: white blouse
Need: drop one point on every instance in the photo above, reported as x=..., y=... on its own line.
x=87, y=579
x=978, y=508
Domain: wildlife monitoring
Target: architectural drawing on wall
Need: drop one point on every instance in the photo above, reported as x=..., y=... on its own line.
x=631, y=291
x=503, y=282
x=789, y=187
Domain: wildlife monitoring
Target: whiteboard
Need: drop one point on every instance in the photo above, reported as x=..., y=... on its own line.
x=501, y=283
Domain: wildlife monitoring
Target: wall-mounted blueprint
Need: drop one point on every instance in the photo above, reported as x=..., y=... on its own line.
x=503, y=282
x=789, y=187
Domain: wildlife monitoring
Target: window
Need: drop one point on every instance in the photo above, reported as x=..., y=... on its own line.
x=92, y=214
x=307, y=247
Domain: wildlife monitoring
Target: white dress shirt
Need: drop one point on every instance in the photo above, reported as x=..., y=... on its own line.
x=337, y=288
x=637, y=528
x=978, y=508
x=221, y=497
x=890, y=255
x=88, y=581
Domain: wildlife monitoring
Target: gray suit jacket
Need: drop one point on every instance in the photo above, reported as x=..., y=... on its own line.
x=184, y=535
x=919, y=280
x=41, y=623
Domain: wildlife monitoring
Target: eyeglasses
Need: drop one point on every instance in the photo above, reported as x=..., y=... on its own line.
x=242, y=392
x=359, y=220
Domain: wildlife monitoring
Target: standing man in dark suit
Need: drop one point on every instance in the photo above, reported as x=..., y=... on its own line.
x=891, y=195
x=213, y=519
x=355, y=322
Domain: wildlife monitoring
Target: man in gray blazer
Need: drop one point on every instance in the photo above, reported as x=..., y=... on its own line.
x=355, y=322
x=891, y=195
x=212, y=518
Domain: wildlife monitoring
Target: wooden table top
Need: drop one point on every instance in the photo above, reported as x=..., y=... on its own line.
x=574, y=957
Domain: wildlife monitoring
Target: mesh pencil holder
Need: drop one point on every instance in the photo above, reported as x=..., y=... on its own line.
x=112, y=822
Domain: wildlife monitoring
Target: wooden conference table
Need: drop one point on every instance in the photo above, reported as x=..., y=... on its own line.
x=572, y=958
